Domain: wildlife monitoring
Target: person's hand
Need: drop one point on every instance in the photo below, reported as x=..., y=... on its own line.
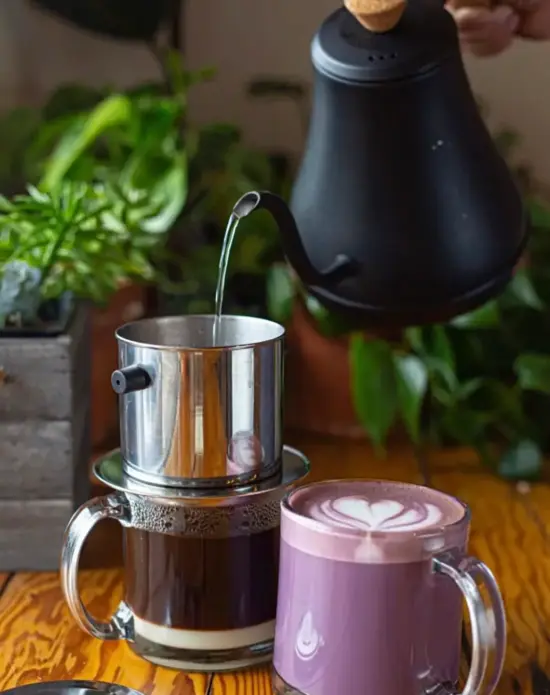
x=487, y=31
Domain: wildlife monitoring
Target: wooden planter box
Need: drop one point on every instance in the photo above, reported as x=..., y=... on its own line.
x=128, y=304
x=44, y=442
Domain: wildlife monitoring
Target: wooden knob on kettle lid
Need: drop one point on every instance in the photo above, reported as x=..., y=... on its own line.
x=377, y=15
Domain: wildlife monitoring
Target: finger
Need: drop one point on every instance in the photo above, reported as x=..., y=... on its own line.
x=505, y=19
x=536, y=25
x=454, y=5
x=495, y=40
x=470, y=18
x=486, y=33
x=477, y=22
x=524, y=6
x=487, y=49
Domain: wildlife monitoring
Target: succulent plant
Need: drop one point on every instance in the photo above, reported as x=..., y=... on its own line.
x=19, y=293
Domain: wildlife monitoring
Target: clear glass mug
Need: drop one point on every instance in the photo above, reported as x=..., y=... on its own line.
x=200, y=569
x=372, y=578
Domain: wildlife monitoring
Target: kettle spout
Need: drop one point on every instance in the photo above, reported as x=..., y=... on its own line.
x=293, y=247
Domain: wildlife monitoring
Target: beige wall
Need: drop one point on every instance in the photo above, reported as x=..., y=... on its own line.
x=244, y=38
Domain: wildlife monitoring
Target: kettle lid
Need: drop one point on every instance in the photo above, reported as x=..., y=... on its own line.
x=425, y=36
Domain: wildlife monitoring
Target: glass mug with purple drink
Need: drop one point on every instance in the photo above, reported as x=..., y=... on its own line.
x=371, y=582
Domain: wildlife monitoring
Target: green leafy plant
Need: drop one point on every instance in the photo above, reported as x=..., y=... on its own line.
x=166, y=188
x=111, y=181
x=225, y=170
x=481, y=380
x=71, y=241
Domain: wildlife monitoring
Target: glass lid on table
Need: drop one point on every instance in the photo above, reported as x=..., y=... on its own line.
x=72, y=688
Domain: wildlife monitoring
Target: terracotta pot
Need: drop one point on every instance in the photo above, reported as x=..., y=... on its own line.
x=317, y=381
x=128, y=304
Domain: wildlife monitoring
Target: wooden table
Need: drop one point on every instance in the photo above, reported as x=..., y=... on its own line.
x=40, y=641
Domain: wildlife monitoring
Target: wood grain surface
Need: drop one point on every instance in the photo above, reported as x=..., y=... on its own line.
x=4, y=576
x=510, y=532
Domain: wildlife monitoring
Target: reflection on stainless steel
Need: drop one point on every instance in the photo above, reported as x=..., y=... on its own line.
x=195, y=414
x=108, y=469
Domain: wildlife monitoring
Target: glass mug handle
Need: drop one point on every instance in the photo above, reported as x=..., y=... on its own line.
x=488, y=621
x=83, y=521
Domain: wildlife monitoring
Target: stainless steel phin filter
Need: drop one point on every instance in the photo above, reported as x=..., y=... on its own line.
x=195, y=414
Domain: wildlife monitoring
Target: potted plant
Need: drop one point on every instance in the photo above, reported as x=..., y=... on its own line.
x=142, y=139
x=58, y=247
x=318, y=367
x=222, y=170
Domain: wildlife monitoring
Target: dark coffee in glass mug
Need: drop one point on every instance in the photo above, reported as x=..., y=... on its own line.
x=372, y=577
x=200, y=568
x=201, y=593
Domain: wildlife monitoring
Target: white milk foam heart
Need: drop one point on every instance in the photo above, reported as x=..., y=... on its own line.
x=387, y=515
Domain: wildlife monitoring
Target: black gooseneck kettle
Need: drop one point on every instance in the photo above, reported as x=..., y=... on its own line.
x=403, y=211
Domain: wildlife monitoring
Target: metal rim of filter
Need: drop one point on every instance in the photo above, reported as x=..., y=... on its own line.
x=109, y=470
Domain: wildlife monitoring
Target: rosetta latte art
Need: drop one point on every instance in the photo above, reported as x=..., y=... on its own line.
x=359, y=513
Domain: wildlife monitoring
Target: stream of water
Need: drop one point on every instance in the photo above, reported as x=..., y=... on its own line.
x=228, y=239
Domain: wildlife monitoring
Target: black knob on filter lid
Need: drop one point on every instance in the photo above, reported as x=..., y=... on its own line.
x=130, y=379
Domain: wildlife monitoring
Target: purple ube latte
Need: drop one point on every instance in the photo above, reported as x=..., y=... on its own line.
x=361, y=610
